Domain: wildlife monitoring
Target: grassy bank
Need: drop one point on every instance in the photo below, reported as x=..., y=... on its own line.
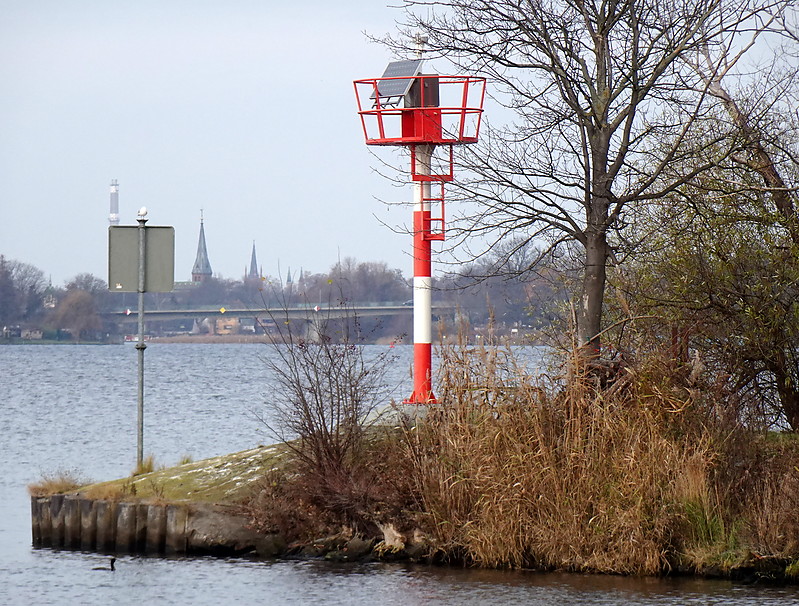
x=226, y=479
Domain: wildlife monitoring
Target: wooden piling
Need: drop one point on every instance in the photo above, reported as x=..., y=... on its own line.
x=36, y=522
x=72, y=523
x=126, y=527
x=45, y=522
x=88, y=525
x=176, y=518
x=156, y=529
x=57, y=520
x=141, y=527
x=106, y=526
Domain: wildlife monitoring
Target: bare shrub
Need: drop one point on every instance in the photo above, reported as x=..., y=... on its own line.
x=301, y=506
x=282, y=505
x=328, y=388
x=635, y=473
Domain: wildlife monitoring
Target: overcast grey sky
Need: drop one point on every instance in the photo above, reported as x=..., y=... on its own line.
x=242, y=108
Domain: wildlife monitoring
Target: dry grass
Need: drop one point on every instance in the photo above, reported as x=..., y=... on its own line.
x=147, y=465
x=111, y=491
x=519, y=474
x=59, y=482
x=773, y=525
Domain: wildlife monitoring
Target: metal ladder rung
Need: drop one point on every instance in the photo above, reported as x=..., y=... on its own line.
x=431, y=234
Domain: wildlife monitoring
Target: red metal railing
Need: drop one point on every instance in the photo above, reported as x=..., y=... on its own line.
x=451, y=115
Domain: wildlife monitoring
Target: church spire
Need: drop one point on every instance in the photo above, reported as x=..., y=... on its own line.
x=202, y=267
x=253, y=273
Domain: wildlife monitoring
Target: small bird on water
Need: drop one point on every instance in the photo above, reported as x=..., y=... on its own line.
x=104, y=568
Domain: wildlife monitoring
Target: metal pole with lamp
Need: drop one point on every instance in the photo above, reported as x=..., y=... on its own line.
x=141, y=259
x=140, y=344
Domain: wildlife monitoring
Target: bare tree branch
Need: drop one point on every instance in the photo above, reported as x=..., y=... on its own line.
x=605, y=105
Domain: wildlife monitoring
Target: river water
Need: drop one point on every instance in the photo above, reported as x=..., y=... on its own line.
x=73, y=407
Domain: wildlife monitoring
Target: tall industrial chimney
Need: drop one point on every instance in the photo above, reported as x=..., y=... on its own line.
x=113, y=216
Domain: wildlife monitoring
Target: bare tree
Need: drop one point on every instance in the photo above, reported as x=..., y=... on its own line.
x=87, y=282
x=603, y=105
x=327, y=388
x=30, y=284
x=766, y=146
x=9, y=303
x=77, y=313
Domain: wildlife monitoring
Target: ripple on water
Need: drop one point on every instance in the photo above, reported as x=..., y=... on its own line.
x=75, y=407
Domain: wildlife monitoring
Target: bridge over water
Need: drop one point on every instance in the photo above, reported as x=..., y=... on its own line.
x=307, y=313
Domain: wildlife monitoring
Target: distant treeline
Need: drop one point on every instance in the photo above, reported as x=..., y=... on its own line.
x=520, y=303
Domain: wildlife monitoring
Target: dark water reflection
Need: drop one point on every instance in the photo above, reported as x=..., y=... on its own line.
x=74, y=407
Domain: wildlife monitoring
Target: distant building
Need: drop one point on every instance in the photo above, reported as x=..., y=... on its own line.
x=113, y=215
x=202, y=266
x=49, y=300
x=253, y=273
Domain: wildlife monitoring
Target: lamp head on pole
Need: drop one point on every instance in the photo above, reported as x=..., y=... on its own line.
x=420, y=42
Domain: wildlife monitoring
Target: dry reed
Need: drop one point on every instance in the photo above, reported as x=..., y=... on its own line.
x=515, y=473
x=636, y=473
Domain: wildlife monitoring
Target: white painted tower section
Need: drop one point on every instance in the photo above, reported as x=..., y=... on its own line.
x=422, y=309
x=113, y=216
x=422, y=280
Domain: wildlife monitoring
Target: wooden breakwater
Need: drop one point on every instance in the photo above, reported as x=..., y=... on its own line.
x=107, y=526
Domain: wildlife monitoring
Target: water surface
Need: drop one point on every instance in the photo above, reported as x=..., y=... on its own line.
x=74, y=407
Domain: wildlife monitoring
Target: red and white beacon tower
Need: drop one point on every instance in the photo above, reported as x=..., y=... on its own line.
x=429, y=114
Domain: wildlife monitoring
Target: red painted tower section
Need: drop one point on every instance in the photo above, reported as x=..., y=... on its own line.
x=422, y=112
x=422, y=281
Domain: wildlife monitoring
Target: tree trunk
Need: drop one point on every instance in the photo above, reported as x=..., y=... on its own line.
x=761, y=161
x=589, y=323
x=589, y=320
x=789, y=397
x=790, y=406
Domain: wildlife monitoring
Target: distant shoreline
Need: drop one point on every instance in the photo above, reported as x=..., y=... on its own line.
x=223, y=339
x=212, y=339
x=175, y=339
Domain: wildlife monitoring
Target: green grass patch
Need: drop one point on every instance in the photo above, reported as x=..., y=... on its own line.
x=223, y=479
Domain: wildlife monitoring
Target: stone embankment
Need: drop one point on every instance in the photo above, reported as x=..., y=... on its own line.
x=192, y=509
x=107, y=526
x=186, y=509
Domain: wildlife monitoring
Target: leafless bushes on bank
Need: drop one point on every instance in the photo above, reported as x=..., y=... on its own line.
x=327, y=389
x=637, y=476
